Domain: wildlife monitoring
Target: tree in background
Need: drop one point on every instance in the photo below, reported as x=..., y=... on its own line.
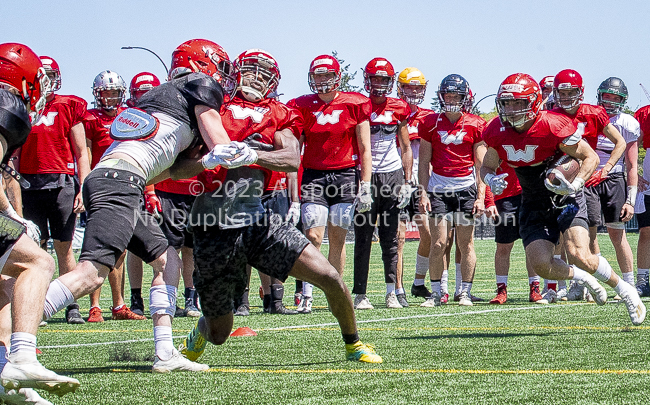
x=346, y=76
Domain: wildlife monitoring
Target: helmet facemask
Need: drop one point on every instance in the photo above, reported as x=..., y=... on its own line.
x=567, y=101
x=613, y=102
x=411, y=93
x=452, y=106
x=515, y=111
x=258, y=78
x=324, y=86
x=382, y=86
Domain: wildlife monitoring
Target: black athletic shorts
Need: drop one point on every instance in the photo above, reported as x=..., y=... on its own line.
x=276, y=202
x=644, y=218
x=329, y=187
x=54, y=206
x=10, y=231
x=443, y=203
x=506, y=227
x=175, y=215
x=609, y=197
x=221, y=256
x=540, y=219
x=412, y=209
x=115, y=220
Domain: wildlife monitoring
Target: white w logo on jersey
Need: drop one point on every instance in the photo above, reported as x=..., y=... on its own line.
x=239, y=113
x=385, y=118
x=518, y=155
x=47, y=120
x=332, y=118
x=412, y=129
x=447, y=138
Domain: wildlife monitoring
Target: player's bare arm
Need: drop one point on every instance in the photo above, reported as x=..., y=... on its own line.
x=479, y=154
x=582, y=151
x=210, y=126
x=615, y=136
x=407, y=152
x=423, y=175
x=365, y=154
x=79, y=147
x=285, y=157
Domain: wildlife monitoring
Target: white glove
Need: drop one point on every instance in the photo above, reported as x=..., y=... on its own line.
x=293, y=216
x=496, y=182
x=232, y=155
x=364, y=198
x=404, y=195
x=564, y=188
x=245, y=156
x=32, y=229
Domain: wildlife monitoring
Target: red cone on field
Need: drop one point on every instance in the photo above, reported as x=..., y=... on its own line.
x=245, y=331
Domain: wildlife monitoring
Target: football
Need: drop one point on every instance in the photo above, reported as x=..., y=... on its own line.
x=565, y=164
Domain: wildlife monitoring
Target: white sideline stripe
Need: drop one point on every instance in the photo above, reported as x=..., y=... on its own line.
x=400, y=318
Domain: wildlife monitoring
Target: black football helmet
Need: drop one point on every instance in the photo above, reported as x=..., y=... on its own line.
x=453, y=84
x=612, y=85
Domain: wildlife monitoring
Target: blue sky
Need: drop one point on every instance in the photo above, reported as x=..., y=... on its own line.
x=482, y=40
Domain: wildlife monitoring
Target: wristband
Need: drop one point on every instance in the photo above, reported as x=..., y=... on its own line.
x=631, y=195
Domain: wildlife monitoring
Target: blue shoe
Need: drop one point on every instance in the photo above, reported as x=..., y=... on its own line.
x=193, y=345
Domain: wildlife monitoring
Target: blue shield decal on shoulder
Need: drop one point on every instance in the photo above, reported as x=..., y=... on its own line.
x=133, y=124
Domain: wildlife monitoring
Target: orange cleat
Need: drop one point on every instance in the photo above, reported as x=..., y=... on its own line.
x=534, y=295
x=502, y=295
x=95, y=315
x=125, y=314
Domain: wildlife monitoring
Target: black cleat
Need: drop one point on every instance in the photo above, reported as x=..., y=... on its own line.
x=137, y=305
x=420, y=291
x=401, y=298
x=72, y=315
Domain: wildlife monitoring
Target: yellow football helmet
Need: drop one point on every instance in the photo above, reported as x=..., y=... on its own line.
x=411, y=85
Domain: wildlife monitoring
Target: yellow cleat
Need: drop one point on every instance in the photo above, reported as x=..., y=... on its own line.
x=363, y=353
x=193, y=345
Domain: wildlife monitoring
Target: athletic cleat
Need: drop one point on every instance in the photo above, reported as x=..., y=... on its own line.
x=502, y=295
x=444, y=298
x=642, y=286
x=635, y=307
x=30, y=397
x=392, y=302
x=179, y=312
x=125, y=314
x=420, y=291
x=362, y=352
x=72, y=315
x=242, y=310
x=362, y=302
x=472, y=297
x=548, y=298
x=95, y=315
x=137, y=305
x=27, y=372
x=576, y=292
x=401, y=298
x=177, y=362
x=534, y=295
x=43, y=323
x=561, y=294
x=596, y=290
x=434, y=300
x=191, y=310
x=193, y=345
x=305, y=305
x=296, y=298
x=464, y=299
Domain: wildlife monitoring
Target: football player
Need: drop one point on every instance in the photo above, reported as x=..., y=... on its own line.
x=231, y=228
x=26, y=268
x=171, y=116
x=546, y=85
x=526, y=137
x=642, y=207
x=451, y=147
x=109, y=91
x=568, y=92
x=390, y=182
x=336, y=139
x=411, y=87
x=47, y=161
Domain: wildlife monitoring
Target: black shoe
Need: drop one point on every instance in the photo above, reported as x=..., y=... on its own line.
x=420, y=291
x=266, y=303
x=137, y=305
x=190, y=308
x=276, y=306
x=242, y=310
x=72, y=315
x=180, y=312
x=401, y=298
x=279, y=308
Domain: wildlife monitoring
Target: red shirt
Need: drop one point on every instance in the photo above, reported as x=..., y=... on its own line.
x=643, y=116
x=591, y=118
x=48, y=148
x=98, y=130
x=414, y=121
x=452, y=145
x=330, y=129
x=184, y=187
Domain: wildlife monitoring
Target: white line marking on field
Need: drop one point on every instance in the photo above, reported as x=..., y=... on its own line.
x=399, y=318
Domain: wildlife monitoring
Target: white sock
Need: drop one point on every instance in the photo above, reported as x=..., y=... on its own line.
x=579, y=274
x=604, y=270
x=25, y=343
x=118, y=308
x=435, y=286
x=162, y=337
x=533, y=279
x=399, y=291
x=629, y=278
x=421, y=266
x=459, y=278
x=622, y=287
x=444, y=282
x=307, y=289
x=502, y=280
x=58, y=297
x=418, y=281
x=390, y=288
x=466, y=287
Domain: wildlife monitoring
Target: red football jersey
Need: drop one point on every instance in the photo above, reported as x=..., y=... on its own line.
x=330, y=129
x=390, y=112
x=513, y=188
x=48, y=148
x=452, y=145
x=242, y=118
x=98, y=130
x=414, y=121
x=184, y=186
x=277, y=182
x=534, y=146
x=643, y=116
x=590, y=118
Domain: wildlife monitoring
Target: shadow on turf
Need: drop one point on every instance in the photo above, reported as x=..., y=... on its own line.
x=476, y=335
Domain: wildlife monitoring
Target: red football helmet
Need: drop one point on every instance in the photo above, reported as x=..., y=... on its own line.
x=140, y=84
x=201, y=55
x=53, y=73
x=324, y=64
x=258, y=74
x=22, y=73
x=568, y=79
x=518, y=86
x=378, y=67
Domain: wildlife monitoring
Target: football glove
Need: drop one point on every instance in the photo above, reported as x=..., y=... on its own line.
x=496, y=182
x=364, y=198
